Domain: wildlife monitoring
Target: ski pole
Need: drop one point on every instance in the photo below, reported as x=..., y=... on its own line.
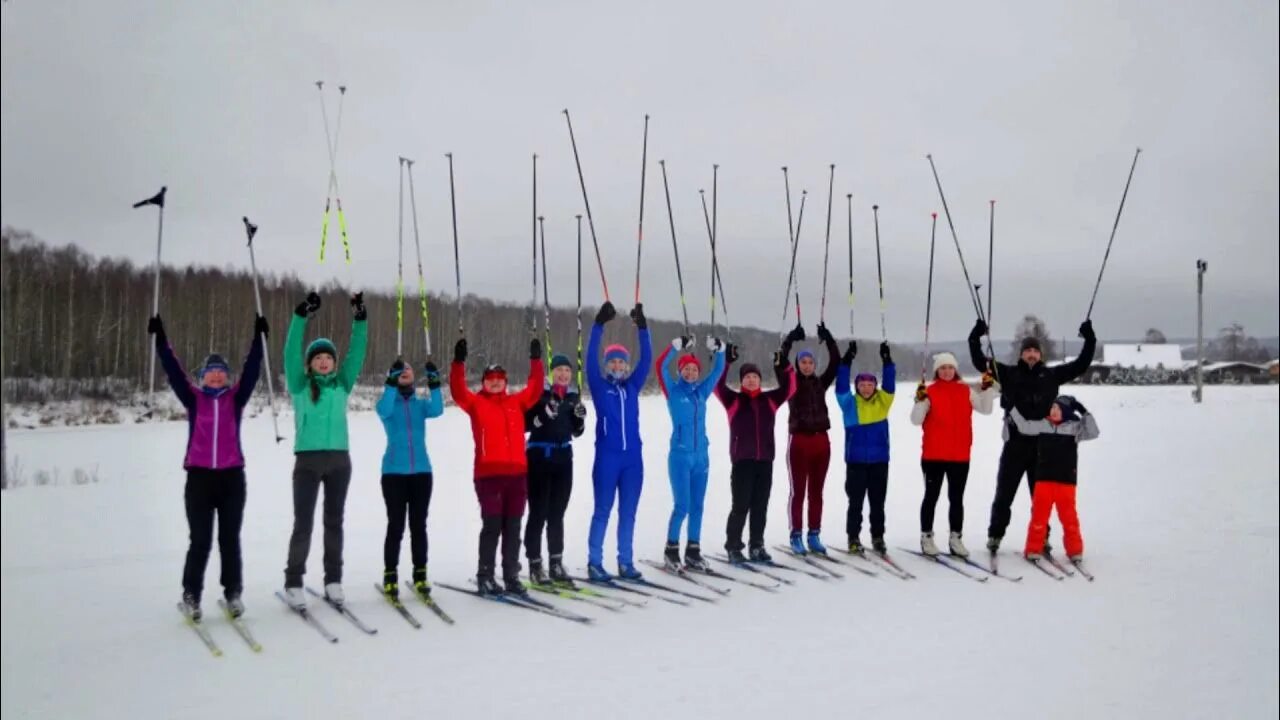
x=457, y=266
x=331, y=144
x=546, y=301
x=157, y=199
x=1114, y=227
x=968, y=284
x=991, y=254
x=791, y=275
x=675, y=247
x=715, y=227
x=578, y=314
x=400, y=268
x=928, y=303
x=826, y=252
x=536, y=219
x=417, y=244
x=250, y=230
x=875, y=211
x=849, y=199
x=644, y=166
x=587, y=203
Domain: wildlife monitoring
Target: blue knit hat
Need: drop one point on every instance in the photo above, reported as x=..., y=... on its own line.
x=806, y=353
x=321, y=346
x=560, y=360
x=617, y=352
x=214, y=362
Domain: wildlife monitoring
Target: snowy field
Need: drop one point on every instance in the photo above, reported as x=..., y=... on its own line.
x=1178, y=505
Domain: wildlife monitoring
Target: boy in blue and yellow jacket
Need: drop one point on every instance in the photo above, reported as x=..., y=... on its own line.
x=866, y=443
x=406, y=469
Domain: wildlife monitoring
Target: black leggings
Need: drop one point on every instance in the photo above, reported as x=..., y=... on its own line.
x=956, y=474
x=209, y=493
x=870, y=481
x=403, y=494
x=750, y=484
x=550, y=484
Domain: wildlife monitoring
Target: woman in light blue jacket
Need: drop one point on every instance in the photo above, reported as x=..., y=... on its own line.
x=406, y=470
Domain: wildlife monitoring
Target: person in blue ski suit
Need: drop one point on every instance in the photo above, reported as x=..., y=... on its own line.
x=619, y=465
x=406, y=470
x=688, y=462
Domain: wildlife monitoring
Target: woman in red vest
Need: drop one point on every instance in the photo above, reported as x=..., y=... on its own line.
x=945, y=409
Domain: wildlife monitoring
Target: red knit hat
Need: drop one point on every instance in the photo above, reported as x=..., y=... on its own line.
x=689, y=359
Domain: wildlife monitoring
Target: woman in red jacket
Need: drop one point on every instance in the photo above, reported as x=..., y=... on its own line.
x=501, y=469
x=945, y=409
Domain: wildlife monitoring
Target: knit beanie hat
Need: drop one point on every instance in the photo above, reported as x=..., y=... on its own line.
x=616, y=351
x=944, y=358
x=806, y=353
x=749, y=369
x=689, y=359
x=1065, y=403
x=495, y=371
x=214, y=362
x=864, y=377
x=559, y=360
x=1030, y=343
x=321, y=346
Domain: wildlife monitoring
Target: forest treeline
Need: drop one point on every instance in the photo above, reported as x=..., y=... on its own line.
x=68, y=315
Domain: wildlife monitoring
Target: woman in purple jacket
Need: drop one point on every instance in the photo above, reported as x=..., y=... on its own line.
x=214, y=461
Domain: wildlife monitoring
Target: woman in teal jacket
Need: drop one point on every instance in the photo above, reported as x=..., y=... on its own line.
x=320, y=389
x=688, y=462
x=406, y=470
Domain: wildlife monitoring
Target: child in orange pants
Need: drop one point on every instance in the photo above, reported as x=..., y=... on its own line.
x=1054, y=476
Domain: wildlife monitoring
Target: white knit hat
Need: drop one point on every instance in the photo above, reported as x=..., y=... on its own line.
x=945, y=358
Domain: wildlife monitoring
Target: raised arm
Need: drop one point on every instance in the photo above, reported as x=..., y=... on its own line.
x=1089, y=429
x=979, y=358
x=920, y=411
x=173, y=370
x=435, y=402
x=983, y=400
x=595, y=378
x=354, y=362
x=833, y=359
x=532, y=392
x=295, y=365
x=462, y=395
x=843, y=395
x=252, y=368
x=727, y=395
x=666, y=369
x=386, y=406
x=1074, y=369
x=890, y=381
x=708, y=384
x=786, y=376
x=641, y=373
x=1029, y=427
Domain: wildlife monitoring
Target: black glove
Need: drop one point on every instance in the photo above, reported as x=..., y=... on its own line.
x=433, y=375
x=393, y=375
x=824, y=334
x=1086, y=331
x=579, y=410
x=796, y=334
x=155, y=326
x=979, y=329
x=780, y=359
x=460, y=350
x=850, y=353
x=260, y=326
x=1080, y=409
x=357, y=303
x=731, y=353
x=885, y=357
x=606, y=313
x=308, y=307
x=637, y=316
x=535, y=349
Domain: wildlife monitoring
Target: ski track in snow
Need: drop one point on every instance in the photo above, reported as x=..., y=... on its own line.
x=1178, y=505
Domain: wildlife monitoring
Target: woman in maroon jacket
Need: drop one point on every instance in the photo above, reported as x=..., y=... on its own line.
x=809, y=447
x=751, y=449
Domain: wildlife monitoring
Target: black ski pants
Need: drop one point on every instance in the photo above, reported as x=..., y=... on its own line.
x=868, y=481
x=550, y=484
x=1017, y=458
x=332, y=469
x=750, y=483
x=209, y=494
x=406, y=495
x=956, y=474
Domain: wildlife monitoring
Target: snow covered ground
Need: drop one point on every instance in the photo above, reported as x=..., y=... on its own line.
x=1179, y=509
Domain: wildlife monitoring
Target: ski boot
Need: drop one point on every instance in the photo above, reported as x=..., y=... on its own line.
x=559, y=575
x=671, y=556
x=957, y=546
x=391, y=584
x=855, y=545
x=333, y=593
x=815, y=543
x=797, y=544
x=736, y=557
x=1034, y=556
x=513, y=586
x=537, y=575
x=877, y=544
x=926, y=544
x=1077, y=558
x=420, y=583
x=296, y=598
x=760, y=555
x=993, y=544
x=486, y=585
x=627, y=571
x=693, y=558
x=597, y=573
x=191, y=605
x=235, y=606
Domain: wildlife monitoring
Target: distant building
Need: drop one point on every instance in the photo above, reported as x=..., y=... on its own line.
x=1137, y=364
x=1235, y=372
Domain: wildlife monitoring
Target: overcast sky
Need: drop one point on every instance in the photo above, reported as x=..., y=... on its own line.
x=1036, y=105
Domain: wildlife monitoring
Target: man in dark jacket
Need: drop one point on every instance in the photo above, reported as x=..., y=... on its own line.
x=809, y=448
x=552, y=424
x=1030, y=387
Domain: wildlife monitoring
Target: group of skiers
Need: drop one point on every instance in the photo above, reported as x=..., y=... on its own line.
x=1041, y=429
